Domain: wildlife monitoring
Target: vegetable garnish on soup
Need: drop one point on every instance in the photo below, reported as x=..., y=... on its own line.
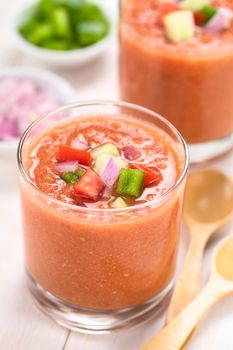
x=183, y=20
x=103, y=163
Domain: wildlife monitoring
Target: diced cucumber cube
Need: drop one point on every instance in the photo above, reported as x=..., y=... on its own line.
x=121, y=163
x=107, y=148
x=194, y=5
x=119, y=203
x=101, y=162
x=103, y=159
x=179, y=25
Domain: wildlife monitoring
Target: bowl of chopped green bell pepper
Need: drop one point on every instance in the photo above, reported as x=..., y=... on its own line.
x=63, y=32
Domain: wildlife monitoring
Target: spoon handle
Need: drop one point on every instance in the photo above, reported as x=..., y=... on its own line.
x=189, y=282
x=174, y=335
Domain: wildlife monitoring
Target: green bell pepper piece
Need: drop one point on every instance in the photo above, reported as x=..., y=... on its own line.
x=130, y=183
x=39, y=33
x=72, y=177
x=208, y=12
x=61, y=22
x=90, y=32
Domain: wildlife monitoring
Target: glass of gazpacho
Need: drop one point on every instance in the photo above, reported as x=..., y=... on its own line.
x=176, y=58
x=102, y=187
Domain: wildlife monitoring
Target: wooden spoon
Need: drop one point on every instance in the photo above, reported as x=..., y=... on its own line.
x=208, y=206
x=175, y=334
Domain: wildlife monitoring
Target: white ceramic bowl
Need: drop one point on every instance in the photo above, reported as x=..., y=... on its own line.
x=44, y=79
x=64, y=59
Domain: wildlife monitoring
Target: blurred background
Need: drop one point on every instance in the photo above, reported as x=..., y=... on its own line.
x=36, y=76
x=82, y=76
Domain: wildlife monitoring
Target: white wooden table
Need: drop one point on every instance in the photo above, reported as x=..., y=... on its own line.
x=22, y=326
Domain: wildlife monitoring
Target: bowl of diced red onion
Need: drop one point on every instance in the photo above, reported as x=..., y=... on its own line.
x=25, y=94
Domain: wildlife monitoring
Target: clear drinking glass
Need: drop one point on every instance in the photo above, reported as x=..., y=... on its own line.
x=190, y=83
x=95, y=270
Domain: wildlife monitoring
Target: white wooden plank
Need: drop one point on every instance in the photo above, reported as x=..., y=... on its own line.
x=22, y=326
x=130, y=339
x=215, y=331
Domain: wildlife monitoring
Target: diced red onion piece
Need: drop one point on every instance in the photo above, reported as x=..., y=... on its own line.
x=7, y=131
x=5, y=128
x=107, y=193
x=64, y=167
x=110, y=173
x=131, y=152
x=220, y=21
x=227, y=12
x=79, y=145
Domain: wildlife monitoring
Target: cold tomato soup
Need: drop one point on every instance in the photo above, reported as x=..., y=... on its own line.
x=180, y=64
x=100, y=231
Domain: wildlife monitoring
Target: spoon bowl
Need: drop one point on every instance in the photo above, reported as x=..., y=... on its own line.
x=222, y=264
x=209, y=197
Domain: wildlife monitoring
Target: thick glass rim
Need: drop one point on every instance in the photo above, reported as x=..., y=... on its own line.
x=109, y=103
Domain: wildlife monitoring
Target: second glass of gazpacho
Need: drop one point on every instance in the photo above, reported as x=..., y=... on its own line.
x=102, y=192
x=176, y=58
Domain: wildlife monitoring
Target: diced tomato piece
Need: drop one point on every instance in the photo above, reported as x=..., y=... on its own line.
x=153, y=175
x=90, y=186
x=164, y=9
x=67, y=153
x=199, y=18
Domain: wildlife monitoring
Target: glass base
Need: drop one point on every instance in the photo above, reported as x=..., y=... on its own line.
x=93, y=321
x=205, y=152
